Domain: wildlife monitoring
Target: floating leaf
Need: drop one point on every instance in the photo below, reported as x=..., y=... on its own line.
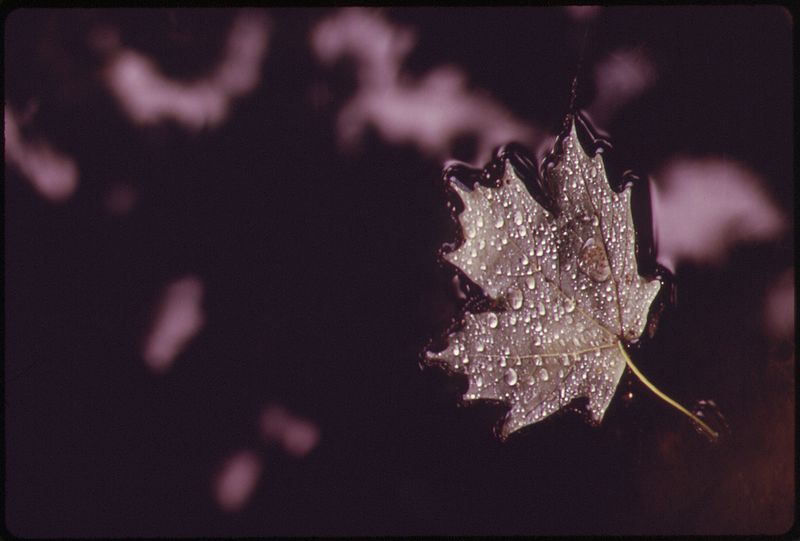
x=563, y=270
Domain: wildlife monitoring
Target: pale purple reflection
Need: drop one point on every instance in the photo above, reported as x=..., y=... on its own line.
x=178, y=319
x=297, y=436
x=53, y=174
x=703, y=207
x=149, y=97
x=582, y=13
x=619, y=78
x=779, y=307
x=430, y=113
x=458, y=288
x=236, y=480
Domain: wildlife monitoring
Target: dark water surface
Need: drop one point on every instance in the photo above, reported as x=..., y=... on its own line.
x=323, y=287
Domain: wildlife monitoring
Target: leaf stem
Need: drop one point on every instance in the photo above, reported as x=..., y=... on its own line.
x=698, y=422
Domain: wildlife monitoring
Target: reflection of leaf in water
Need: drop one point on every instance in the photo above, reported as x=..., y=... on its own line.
x=569, y=282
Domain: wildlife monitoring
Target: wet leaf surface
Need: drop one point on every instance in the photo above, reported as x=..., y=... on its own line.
x=567, y=283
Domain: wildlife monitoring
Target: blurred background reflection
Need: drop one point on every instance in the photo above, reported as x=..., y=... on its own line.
x=222, y=229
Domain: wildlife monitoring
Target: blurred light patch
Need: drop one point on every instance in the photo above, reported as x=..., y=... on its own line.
x=53, y=174
x=618, y=79
x=703, y=207
x=150, y=97
x=430, y=113
x=582, y=13
x=178, y=319
x=236, y=480
x=378, y=47
x=779, y=308
x=297, y=436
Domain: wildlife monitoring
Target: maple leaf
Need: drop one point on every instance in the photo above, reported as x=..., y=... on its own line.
x=565, y=277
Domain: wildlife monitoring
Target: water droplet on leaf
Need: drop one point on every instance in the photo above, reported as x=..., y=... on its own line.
x=515, y=298
x=593, y=261
x=510, y=376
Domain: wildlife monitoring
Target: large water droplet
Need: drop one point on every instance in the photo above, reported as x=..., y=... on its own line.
x=499, y=222
x=510, y=376
x=569, y=305
x=515, y=298
x=492, y=319
x=593, y=261
x=469, y=231
x=544, y=375
x=518, y=218
x=530, y=281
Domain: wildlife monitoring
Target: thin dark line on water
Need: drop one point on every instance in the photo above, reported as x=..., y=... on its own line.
x=574, y=89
